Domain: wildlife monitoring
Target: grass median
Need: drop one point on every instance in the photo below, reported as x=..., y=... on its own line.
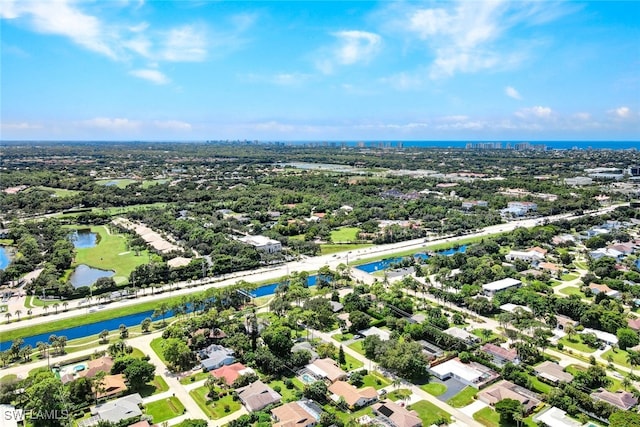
x=80, y=320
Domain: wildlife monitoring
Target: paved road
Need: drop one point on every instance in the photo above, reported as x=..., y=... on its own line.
x=275, y=273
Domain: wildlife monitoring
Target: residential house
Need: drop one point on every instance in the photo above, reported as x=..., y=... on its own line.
x=605, y=337
x=602, y=252
x=555, y=417
x=562, y=239
x=553, y=269
x=382, y=334
x=620, y=399
x=563, y=321
x=353, y=397
x=553, y=373
x=461, y=334
x=326, y=369
x=634, y=324
x=305, y=345
x=603, y=289
x=102, y=364
x=501, y=356
x=490, y=289
x=513, y=308
x=472, y=374
x=528, y=256
x=302, y=413
x=112, y=385
x=432, y=351
x=257, y=395
x=508, y=390
x=115, y=411
x=141, y=423
x=231, y=373
x=215, y=356
x=389, y=413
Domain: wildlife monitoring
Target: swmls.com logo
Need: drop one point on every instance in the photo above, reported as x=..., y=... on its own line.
x=10, y=416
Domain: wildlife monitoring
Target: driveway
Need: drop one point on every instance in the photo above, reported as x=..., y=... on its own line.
x=473, y=408
x=453, y=387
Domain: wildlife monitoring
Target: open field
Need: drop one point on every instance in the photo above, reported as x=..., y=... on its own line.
x=576, y=344
x=215, y=409
x=59, y=192
x=462, y=399
x=572, y=290
x=151, y=182
x=345, y=234
x=120, y=183
x=434, y=389
x=111, y=253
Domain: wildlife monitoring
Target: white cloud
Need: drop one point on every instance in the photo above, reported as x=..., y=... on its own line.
x=280, y=79
x=511, y=92
x=174, y=125
x=536, y=112
x=582, y=116
x=466, y=36
x=59, y=17
x=19, y=126
x=112, y=124
x=353, y=47
x=185, y=44
x=622, y=112
x=154, y=76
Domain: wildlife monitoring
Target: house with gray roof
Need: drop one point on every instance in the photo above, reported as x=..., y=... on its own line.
x=258, y=395
x=215, y=356
x=115, y=411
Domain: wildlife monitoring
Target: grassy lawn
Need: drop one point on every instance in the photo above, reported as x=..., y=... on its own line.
x=288, y=394
x=111, y=253
x=488, y=417
x=576, y=344
x=198, y=376
x=164, y=409
x=352, y=363
x=120, y=183
x=59, y=192
x=156, y=345
x=429, y=413
x=329, y=248
x=10, y=378
x=106, y=314
x=357, y=346
x=619, y=357
x=345, y=234
x=151, y=182
x=342, y=337
x=434, y=389
x=375, y=380
x=215, y=409
x=570, y=276
x=493, y=336
x=346, y=417
x=464, y=398
x=158, y=385
x=581, y=265
x=399, y=394
x=538, y=385
x=572, y=290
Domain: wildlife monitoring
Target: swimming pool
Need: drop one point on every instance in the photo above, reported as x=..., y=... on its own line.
x=308, y=379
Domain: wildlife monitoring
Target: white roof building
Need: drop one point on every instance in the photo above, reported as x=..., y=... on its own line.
x=512, y=307
x=382, y=334
x=262, y=243
x=602, y=335
x=555, y=417
x=469, y=374
x=490, y=289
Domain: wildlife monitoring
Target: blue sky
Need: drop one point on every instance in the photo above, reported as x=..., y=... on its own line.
x=196, y=70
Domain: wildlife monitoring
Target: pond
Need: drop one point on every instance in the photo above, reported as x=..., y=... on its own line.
x=4, y=258
x=372, y=267
x=83, y=239
x=84, y=275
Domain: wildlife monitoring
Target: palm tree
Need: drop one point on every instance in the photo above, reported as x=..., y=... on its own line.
x=161, y=311
x=55, y=306
x=18, y=313
x=633, y=359
x=29, y=312
x=45, y=308
x=570, y=330
x=8, y=316
x=65, y=305
x=626, y=382
x=62, y=342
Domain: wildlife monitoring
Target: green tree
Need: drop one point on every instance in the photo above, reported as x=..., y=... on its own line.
x=624, y=419
x=316, y=391
x=627, y=337
x=80, y=390
x=178, y=354
x=509, y=410
x=146, y=325
x=46, y=392
x=103, y=335
x=139, y=372
x=342, y=360
x=278, y=339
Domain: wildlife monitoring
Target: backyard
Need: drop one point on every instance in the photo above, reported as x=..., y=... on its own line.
x=429, y=413
x=164, y=409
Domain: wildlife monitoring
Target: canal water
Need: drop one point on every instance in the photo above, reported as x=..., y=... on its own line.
x=136, y=319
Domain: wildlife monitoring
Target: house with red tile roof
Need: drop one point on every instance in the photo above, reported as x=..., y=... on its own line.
x=354, y=397
x=230, y=373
